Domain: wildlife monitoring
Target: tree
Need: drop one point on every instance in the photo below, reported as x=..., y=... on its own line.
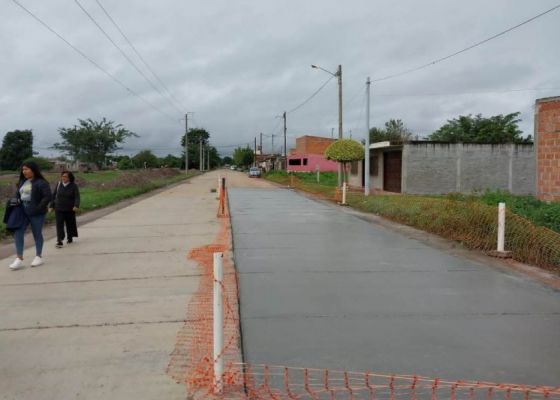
x=196, y=136
x=478, y=129
x=345, y=151
x=227, y=160
x=171, y=161
x=43, y=163
x=395, y=131
x=125, y=162
x=92, y=141
x=16, y=147
x=145, y=159
x=243, y=156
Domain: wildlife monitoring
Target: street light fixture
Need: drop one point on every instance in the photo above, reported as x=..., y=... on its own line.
x=337, y=74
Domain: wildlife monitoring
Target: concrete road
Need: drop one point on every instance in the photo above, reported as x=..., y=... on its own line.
x=100, y=318
x=322, y=288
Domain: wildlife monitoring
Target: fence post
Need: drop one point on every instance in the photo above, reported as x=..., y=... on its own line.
x=501, y=226
x=218, y=323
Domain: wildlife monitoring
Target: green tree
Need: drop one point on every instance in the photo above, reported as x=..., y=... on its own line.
x=171, y=161
x=478, y=129
x=43, y=163
x=196, y=136
x=145, y=159
x=16, y=147
x=227, y=160
x=125, y=162
x=92, y=141
x=395, y=131
x=345, y=151
x=243, y=156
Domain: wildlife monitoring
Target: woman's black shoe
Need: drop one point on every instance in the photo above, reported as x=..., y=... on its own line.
x=69, y=241
x=59, y=245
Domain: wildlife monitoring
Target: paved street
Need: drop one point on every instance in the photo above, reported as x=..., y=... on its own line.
x=322, y=288
x=101, y=317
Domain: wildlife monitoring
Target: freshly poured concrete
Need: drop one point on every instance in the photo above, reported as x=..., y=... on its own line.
x=100, y=318
x=322, y=288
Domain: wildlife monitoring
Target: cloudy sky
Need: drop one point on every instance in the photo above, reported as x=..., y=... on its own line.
x=239, y=64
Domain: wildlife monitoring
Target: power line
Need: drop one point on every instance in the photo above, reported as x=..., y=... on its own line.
x=438, y=60
x=461, y=93
x=81, y=53
x=130, y=61
x=139, y=55
x=310, y=97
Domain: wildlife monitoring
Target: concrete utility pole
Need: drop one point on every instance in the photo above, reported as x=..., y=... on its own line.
x=260, y=143
x=208, y=158
x=186, y=143
x=285, y=152
x=200, y=160
x=272, y=145
x=339, y=75
x=255, y=154
x=366, y=150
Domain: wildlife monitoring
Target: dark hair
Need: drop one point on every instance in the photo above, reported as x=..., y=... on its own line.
x=70, y=175
x=34, y=168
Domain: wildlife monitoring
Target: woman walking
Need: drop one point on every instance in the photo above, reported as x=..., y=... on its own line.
x=66, y=201
x=34, y=193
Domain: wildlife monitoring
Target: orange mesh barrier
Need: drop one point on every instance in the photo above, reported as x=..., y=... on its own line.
x=192, y=363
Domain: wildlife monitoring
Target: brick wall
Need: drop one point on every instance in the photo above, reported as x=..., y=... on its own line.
x=312, y=144
x=547, y=140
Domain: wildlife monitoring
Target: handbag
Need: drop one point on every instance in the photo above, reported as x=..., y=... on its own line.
x=16, y=218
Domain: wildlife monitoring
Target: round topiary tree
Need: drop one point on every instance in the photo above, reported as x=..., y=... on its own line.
x=345, y=151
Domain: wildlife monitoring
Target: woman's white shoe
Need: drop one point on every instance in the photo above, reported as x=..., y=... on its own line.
x=37, y=261
x=16, y=264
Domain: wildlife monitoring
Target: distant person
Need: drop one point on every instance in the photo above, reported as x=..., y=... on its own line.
x=65, y=202
x=34, y=193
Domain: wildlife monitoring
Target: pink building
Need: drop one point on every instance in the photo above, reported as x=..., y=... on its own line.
x=310, y=163
x=308, y=155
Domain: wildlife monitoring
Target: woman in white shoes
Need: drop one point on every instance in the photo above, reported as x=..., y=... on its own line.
x=35, y=195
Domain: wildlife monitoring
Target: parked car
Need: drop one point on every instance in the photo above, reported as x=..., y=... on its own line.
x=233, y=167
x=254, y=172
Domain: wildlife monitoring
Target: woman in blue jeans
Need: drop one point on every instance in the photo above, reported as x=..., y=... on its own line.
x=35, y=194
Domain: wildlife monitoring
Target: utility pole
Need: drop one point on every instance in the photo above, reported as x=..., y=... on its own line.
x=200, y=160
x=255, y=154
x=285, y=152
x=366, y=164
x=272, y=145
x=339, y=75
x=260, y=143
x=186, y=143
x=332, y=133
x=208, y=158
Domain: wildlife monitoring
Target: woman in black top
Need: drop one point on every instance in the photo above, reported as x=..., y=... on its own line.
x=34, y=193
x=66, y=201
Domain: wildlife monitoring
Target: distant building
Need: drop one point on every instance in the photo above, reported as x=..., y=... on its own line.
x=547, y=141
x=422, y=167
x=308, y=156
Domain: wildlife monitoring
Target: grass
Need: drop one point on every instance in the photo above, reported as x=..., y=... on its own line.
x=329, y=179
x=105, y=188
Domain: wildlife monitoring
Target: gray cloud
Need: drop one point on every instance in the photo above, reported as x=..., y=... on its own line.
x=239, y=64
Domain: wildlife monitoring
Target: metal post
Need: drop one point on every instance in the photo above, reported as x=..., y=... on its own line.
x=366, y=164
x=218, y=322
x=501, y=226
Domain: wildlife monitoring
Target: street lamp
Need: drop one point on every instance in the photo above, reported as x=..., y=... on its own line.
x=337, y=74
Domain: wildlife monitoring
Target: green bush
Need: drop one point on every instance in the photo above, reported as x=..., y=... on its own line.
x=43, y=163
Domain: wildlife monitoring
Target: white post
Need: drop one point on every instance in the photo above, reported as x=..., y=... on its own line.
x=501, y=226
x=318, y=173
x=344, y=193
x=218, y=322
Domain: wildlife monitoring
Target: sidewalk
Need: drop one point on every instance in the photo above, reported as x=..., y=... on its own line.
x=100, y=318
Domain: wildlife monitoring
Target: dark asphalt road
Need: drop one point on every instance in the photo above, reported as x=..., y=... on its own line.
x=322, y=288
